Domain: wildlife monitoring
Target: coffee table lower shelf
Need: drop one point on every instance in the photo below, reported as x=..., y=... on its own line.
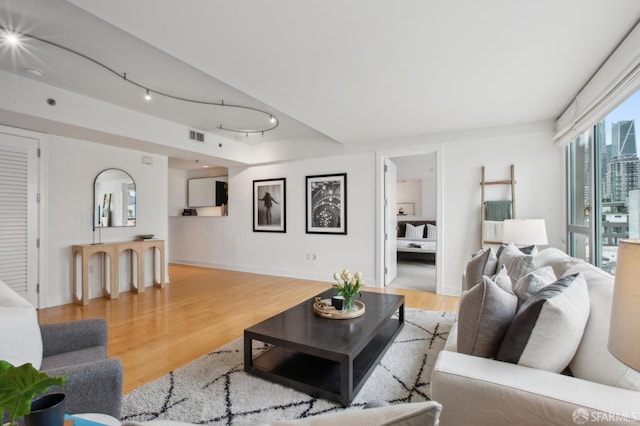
x=328, y=376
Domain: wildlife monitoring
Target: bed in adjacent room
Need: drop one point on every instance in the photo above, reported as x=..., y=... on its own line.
x=416, y=240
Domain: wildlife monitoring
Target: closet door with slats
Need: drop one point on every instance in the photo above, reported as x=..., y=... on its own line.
x=19, y=214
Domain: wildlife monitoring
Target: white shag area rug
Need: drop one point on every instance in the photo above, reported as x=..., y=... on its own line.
x=215, y=390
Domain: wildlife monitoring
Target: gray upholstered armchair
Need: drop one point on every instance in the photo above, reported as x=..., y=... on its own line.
x=78, y=350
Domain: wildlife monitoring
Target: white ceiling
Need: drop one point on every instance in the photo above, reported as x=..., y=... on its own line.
x=351, y=71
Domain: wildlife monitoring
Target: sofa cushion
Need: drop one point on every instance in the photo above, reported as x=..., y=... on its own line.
x=592, y=360
x=557, y=259
x=533, y=282
x=483, y=263
x=484, y=316
x=517, y=263
x=21, y=341
x=548, y=327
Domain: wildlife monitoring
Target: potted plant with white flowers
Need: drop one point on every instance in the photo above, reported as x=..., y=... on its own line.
x=348, y=287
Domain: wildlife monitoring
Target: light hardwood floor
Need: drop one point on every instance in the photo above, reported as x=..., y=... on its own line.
x=160, y=330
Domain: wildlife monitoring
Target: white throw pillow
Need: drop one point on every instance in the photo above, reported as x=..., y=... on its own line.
x=557, y=259
x=424, y=413
x=533, y=282
x=414, y=232
x=431, y=231
x=20, y=338
x=548, y=327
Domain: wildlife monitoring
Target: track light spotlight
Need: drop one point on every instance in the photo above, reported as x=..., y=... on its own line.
x=11, y=38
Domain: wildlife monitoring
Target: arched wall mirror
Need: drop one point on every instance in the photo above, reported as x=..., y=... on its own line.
x=114, y=199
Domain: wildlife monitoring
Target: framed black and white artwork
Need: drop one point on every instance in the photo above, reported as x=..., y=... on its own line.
x=326, y=209
x=269, y=205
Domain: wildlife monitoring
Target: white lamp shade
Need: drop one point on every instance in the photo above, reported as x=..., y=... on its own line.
x=524, y=232
x=624, y=331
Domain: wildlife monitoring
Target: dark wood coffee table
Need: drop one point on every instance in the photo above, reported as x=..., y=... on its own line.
x=324, y=357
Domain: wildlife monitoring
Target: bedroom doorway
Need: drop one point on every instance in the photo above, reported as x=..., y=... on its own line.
x=411, y=206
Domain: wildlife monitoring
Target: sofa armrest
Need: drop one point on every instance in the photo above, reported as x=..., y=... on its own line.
x=73, y=335
x=474, y=390
x=94, y=387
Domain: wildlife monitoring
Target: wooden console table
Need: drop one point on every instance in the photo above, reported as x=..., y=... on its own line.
x=111, y=278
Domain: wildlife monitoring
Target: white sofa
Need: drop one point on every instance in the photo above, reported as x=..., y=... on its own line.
x=481, y=391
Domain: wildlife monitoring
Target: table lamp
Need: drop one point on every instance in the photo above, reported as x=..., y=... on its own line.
x=624, y=330
x=524, y=232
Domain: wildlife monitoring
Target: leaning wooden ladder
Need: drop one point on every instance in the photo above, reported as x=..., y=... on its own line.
x=484, y=183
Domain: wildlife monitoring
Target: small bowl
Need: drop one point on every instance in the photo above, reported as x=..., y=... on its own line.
x=146, y=236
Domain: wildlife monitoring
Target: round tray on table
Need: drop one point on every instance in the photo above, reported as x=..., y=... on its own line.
x=323, y=308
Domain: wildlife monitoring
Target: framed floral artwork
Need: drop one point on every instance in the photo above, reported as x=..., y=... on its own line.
x=326, y=204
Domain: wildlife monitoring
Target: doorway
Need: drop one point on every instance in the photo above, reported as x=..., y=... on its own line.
x=412, y=200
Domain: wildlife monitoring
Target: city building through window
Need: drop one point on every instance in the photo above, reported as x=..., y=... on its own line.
x=604, y=186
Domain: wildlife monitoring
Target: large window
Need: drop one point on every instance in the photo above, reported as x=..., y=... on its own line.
x=604, y=186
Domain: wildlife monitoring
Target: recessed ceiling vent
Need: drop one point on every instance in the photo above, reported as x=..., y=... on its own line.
x=196, y=136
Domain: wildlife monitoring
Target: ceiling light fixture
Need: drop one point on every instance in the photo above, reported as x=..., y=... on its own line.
x=11, y=38
x=14, y=39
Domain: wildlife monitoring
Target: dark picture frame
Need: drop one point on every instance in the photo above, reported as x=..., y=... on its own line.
x=326, y=204
x=270, y=205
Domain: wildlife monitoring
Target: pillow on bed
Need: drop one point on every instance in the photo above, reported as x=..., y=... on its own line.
x=414, y=232
x=431, y=231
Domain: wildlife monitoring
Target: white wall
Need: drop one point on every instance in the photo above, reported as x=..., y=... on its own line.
x=177, y=187
x=409, y=191
x=429, y=198
x=72, y=167
x=422, y=192
x=540, y=192
x=229, y=242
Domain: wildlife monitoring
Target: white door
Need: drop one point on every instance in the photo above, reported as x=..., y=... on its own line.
x=19, y=214
x=390, y=222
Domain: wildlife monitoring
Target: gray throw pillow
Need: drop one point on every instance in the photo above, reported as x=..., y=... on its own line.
x=533, y=282
x=517, y=263
x=548, y=327
x=503, y=281
x=484, y=316
x=481, y=264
